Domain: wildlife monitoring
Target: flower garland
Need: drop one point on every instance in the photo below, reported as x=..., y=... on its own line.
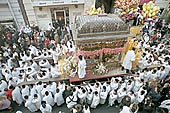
x=101, y=69
x=108, y=51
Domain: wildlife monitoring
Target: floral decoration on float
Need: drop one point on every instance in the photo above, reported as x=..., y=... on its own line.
x=128, y=9
x=93, y=11
x=150, y=10
x=100, y=69
x=107, y=51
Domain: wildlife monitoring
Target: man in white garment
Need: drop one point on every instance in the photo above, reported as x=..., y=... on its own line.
x=48, y=98
x=54, y=70
x=39, y=88
x=81, y=67
x=89, y=96
x=37, y=100
x=129, y=58
x=82, y=96
x=113, y=96
x=45, y=108
x=29, y=104
x=52, y=87
x=58, y=98
x=16, y=95
x=44, y=63
x=125, y=109
x=86, y=109
x=103, y=95
x=71, y=101
x=121, y=94
x=55, y=55
x=34, y=65
x=3, y=85
x=96, y=100
x=25, y=91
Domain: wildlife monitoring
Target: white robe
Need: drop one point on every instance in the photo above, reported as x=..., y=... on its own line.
x=82, y=68
x=37, y=102
x=58, y=98
x=71, y=101
x=125, y=110
x=103, y=96
x=54, y=71
x=82, y=97
x=121, y=95
x=86, y=110
x=112, y=98
x=52, y=88
x=129, y=58
x=30, y=105
x=49, y=99
x=95, y=101
x=25, y=92
x=3, y=86
x=16, y=96
x=89, y=97
x=47, y=109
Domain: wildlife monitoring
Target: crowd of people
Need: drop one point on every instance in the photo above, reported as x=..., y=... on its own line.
x=25, y=57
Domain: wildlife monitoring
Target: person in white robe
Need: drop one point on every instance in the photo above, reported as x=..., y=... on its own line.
x=138, y=84
x=15, y=72
x=129, y=58
x=16, y=95
x=96, y=100
x=25, y=91
x=121, y=94
x=55, y=55
x=89, y=96
x=12, y=82
x=44, y=89
x=82, y=96
x=3, y=86
x=20, y=79
x=48, y=98
x=107, y=85
x=52, y=87
x=8, y=75
x=44, y=63
x=31, y=72
x=165, y=104
x=34, y=65
x=54, y=71
x=114, y=84
x=81, y=67
x=29, y=104
x=45, y=108
x=125, y=109
x=103, y=95
x=140, y=97
x=39, y=88
x=86, y=109
x=61, y=86
x=32, y=90
x=132, y=96
x=71, y=101
x=113, y=97
x=129, y=86
x=58, y=98
x=37, y=100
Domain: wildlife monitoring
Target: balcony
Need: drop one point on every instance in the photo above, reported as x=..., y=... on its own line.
x=55, y=2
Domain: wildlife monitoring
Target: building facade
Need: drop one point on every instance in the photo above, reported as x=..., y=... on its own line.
x=43, y=12
x=10, y=13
